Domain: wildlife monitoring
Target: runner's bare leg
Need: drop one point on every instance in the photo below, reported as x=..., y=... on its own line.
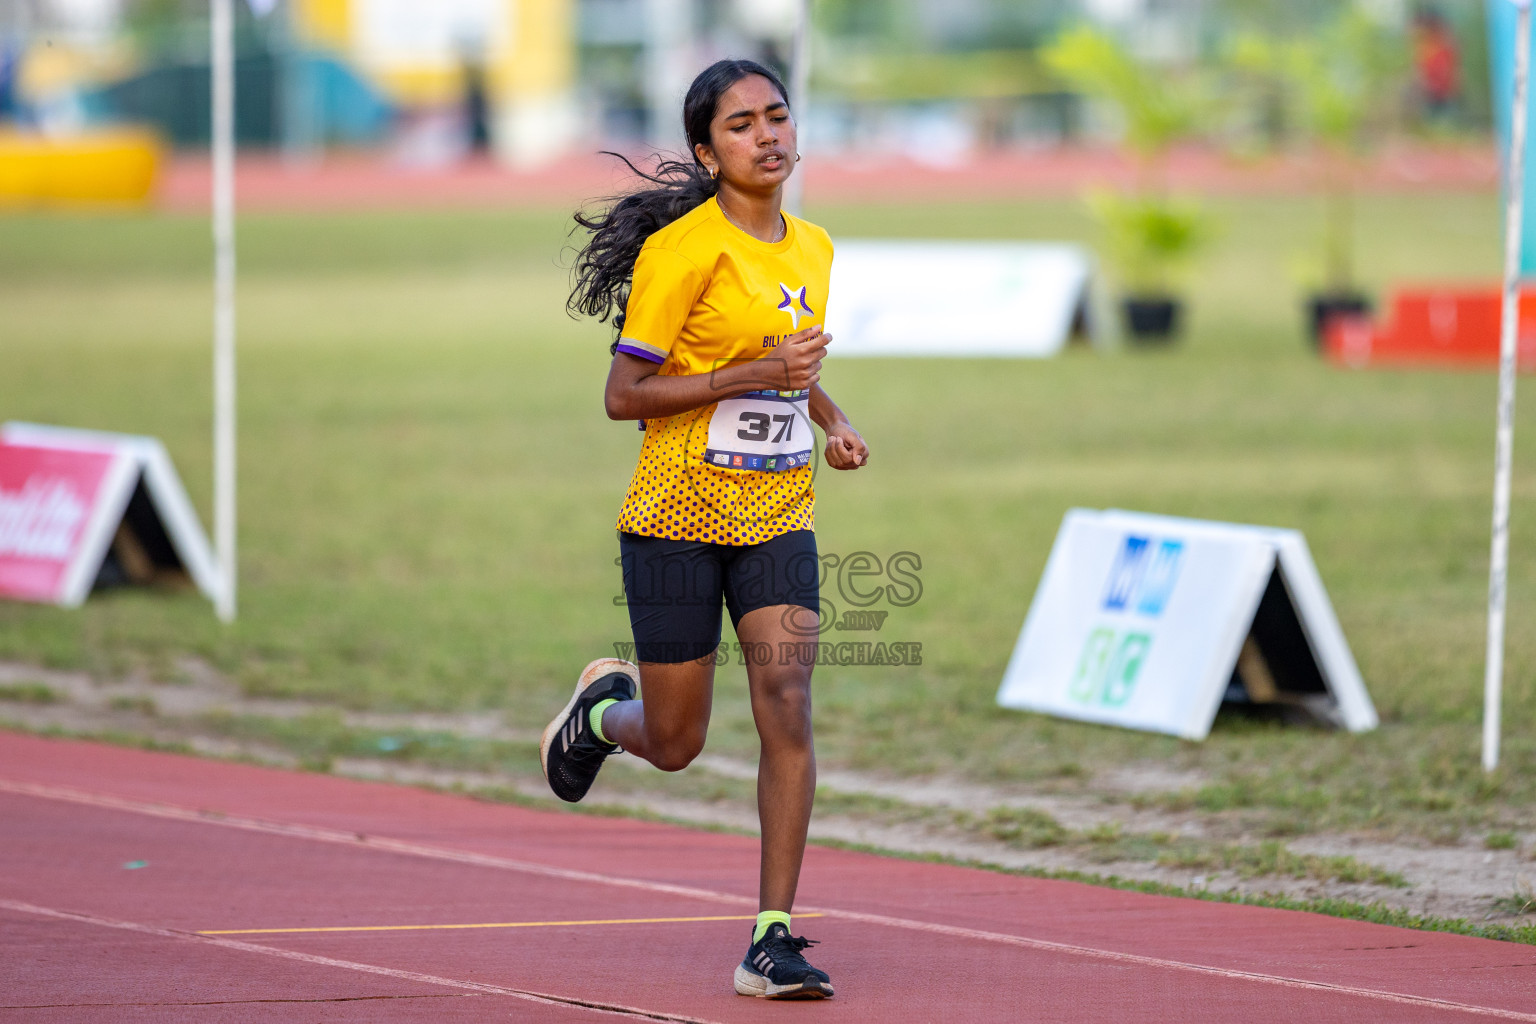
x=786, y=772
x=667, y=725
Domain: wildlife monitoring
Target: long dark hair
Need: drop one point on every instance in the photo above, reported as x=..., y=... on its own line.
x=605, y=266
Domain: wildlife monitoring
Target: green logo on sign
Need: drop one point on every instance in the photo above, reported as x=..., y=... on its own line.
x=1106, y=671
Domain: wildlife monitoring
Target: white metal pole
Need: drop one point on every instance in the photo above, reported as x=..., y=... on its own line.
x=223, y=32
x=669, y=67
x=799, y=83
x=1498, y=567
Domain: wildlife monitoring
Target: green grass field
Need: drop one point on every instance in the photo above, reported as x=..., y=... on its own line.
x=428, y=489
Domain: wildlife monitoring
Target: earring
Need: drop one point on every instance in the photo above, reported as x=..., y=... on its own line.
x=711, y=173
x=797, y=158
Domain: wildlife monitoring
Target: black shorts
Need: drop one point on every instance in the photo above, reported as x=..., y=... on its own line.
x=674, y=589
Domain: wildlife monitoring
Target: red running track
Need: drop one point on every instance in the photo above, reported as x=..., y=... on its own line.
x=87, y=934
x=372, y=182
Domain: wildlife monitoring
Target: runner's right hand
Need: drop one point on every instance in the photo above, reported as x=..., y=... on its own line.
x=801, y=353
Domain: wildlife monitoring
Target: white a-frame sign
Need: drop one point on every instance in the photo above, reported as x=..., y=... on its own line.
x=81, y=509
x=1150, y=622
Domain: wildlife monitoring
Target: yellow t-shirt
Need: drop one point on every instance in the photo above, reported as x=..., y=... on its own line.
x=708, y=295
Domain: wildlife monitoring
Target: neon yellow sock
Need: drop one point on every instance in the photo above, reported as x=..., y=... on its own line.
x=595, y=716
x=767, y=918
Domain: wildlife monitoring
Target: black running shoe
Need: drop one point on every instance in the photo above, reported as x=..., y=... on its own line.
x=570, y=750
x=774, y=969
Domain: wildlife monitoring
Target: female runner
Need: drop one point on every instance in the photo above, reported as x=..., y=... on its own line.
x=718, y=352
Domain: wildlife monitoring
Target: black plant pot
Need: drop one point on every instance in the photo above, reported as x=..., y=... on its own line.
x=1324, y=306
x=1151, y=319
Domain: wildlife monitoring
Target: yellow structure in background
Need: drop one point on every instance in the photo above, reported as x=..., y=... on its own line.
x=324, y=23
x=417, y=54
x=112, y=167
x=68, y=165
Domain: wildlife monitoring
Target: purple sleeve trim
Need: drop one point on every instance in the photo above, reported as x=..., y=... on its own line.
x=631, y=350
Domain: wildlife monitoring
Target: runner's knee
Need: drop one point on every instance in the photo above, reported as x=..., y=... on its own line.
x=672, y=750
x=784, y=700
x=676, y=756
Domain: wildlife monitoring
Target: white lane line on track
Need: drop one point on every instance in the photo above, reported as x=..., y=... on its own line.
x=613, y=1009
x=328, y=835
x=340, y=836
x=1380, y=995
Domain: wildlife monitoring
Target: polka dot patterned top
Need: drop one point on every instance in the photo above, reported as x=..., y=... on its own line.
x=705, y=295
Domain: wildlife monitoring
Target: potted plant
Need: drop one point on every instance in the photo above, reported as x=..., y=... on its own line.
x=1151, y=235
x=1150, y=240
x=1339, y=83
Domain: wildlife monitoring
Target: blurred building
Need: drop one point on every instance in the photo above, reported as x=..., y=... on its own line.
x=530, y=80
x=310, y=73
x=505, y=68
x=638, y=56
x=934, y=77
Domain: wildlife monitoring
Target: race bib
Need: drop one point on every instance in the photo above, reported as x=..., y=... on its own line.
x=764, y=431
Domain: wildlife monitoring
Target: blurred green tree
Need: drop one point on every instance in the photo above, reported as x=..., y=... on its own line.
x=1151, y=236
x=1343, y=84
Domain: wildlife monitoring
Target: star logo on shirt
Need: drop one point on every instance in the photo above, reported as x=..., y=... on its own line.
x=795, y=305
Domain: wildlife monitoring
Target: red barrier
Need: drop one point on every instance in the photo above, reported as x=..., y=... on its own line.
x=1433, y=326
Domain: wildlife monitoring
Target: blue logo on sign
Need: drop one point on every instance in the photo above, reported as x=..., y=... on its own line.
x=1125, y=574
x=1161, y=575
x=1143, y=576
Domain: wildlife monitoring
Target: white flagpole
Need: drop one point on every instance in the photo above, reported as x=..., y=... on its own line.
x=1498, y=568
x=223, y=32
x=799, y=85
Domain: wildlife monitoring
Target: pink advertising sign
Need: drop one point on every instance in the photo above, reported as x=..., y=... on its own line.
x=47, y=496
x=65, y=516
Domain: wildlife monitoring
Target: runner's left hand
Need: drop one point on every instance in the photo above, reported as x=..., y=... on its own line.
x=846, y=448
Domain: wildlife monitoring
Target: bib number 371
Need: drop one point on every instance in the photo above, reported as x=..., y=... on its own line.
x=762, y=431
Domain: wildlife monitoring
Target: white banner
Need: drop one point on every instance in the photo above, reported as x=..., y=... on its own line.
x=1142, y=621
x=939, y=298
